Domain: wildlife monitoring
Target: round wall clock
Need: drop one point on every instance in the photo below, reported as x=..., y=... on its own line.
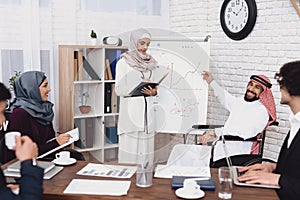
x=238, y=18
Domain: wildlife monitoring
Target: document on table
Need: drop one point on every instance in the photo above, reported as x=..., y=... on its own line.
x=74, y=133
x=98, y=187
x=113, y=171
x=168, y=171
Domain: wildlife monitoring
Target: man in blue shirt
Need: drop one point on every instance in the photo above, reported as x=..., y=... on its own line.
x=31, y=181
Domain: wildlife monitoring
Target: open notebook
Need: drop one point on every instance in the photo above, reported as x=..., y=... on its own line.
x=236, y=174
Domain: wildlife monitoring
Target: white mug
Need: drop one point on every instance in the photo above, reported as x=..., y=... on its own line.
x=190, y=186
x=10, y=139
x=63, y=156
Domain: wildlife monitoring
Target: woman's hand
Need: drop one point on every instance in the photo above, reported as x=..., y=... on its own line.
x=149, y=91
x=62, y=138
x=265, y=167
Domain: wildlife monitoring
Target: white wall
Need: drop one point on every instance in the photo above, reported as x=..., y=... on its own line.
x=274, y=41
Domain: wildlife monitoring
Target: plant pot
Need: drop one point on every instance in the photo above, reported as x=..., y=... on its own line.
x=85, y=109
x=94, y=41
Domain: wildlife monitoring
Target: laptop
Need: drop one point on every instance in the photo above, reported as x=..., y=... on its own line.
x=236, y=173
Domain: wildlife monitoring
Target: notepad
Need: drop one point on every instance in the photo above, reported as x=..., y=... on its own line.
x=205, y=183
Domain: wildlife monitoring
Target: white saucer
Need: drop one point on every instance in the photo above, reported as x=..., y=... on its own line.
x=183, y=194
x=64, y=162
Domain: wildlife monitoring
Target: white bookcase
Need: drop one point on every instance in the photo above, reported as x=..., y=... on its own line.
x=75, y=79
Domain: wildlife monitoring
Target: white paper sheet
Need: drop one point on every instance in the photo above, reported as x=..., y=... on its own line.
x=98, y=187
x=74, y=133
x=167, y=171
x=113, y=171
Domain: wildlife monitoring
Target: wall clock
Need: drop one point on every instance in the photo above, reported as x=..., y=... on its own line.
x=238, y=18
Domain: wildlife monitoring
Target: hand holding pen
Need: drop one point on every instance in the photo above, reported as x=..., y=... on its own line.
x=62, y=138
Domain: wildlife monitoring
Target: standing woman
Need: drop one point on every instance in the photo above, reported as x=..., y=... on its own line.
x=32, y=112
x=135, y=128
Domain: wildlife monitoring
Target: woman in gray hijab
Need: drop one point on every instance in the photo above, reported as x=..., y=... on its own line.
x=32, y=112
x=135, y=126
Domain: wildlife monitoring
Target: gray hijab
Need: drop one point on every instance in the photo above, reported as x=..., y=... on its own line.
x=134, y=58
x=29, y=98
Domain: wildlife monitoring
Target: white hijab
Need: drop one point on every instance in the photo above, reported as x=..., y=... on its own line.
x=135, y=59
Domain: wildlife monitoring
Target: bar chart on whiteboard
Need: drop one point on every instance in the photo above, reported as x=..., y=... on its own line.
x=182, y=99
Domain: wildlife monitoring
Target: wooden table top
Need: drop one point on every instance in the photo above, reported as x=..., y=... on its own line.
x=161, y=188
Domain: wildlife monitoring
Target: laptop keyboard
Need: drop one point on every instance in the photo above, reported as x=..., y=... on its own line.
x=239, y=174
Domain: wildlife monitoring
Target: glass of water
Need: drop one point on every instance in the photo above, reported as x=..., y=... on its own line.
x=225, y=181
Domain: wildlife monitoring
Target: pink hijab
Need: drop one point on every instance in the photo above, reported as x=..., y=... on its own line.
x=140, y=62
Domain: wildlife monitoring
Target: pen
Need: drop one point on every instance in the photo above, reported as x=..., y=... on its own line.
x=54, y=137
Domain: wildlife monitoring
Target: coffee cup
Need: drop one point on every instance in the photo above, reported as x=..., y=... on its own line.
x=63, y=156
x=10, y=139
x=190, y=186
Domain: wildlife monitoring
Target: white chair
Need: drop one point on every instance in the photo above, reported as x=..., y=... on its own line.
x=190, y=155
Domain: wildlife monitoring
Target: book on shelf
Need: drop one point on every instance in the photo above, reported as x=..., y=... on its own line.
x=137, y=90
x=80, y=67
x=75, y=65
x=108, y=70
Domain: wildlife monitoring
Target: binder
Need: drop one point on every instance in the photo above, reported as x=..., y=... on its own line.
x=108, y=70
x=107, y=98
x=177, y=182
x=114, y=57
x=114, y=99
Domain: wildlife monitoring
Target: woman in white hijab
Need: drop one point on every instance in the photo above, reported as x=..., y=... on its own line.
x=135, y=127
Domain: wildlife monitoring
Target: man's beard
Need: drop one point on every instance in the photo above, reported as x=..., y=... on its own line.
x=255, y=98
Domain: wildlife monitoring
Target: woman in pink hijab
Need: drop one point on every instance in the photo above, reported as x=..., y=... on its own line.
x=135, y=127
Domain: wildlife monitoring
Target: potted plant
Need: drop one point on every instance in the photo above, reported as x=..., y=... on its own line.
x=84, y=108
x=94, y=37
x=12, y=82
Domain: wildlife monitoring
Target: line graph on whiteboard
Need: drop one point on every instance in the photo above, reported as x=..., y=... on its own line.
x=182, y=99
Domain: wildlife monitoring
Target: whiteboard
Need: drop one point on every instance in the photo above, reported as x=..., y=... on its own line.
x=182, y=99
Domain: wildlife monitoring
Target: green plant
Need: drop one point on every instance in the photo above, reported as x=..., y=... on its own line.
x=84, y=99
x=12, y=79
x=93, y=34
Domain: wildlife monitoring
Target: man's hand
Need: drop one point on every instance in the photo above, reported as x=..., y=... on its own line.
x=207, y=76
x=266, y=167
x=260, y=177
x=25, y=148
x=208, y=136
x=149, y=91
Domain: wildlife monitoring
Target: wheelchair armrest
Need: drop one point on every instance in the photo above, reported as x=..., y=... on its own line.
x=237, y=138
x=202, y=126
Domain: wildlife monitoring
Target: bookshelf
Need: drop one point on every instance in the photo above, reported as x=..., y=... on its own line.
x=87, y=99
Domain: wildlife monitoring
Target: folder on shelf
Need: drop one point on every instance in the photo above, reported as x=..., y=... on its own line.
x=86, y=128
x=137, y=90
x=111, y=135
x=107, y=98
x=114, y=57
x=75, y=65
x=114, y=99
x=89, y=69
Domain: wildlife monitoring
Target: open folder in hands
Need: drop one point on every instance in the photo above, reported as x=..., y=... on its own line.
x=137, y=90
x=74, y=133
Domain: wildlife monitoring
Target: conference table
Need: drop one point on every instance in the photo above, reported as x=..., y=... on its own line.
x=160, y=189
